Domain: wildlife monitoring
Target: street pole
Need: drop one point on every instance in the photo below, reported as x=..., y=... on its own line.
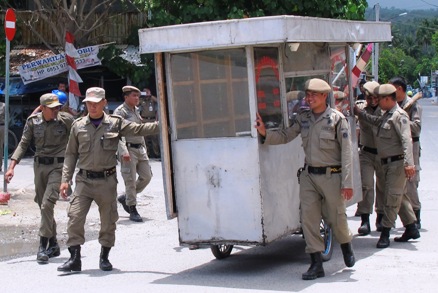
x=376, y=48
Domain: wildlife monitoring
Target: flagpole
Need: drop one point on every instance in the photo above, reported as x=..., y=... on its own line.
x=376, y=48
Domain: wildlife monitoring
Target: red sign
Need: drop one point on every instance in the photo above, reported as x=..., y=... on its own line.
x=10, y=21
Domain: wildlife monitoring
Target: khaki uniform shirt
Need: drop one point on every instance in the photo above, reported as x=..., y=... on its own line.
x=94, y=148
x=50, y=137
x=326, y=141
x=414, y=113
x=148, y=108
x=131, y=115
x=367, y=131
x=393, y=134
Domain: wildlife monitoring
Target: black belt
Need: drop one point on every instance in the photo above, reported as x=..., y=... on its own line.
x=415, y=139
x=323, y=170
x=97, y=175
x=368, y=149
x=134, y=145
x=149, y=118
x=392, y=159
x=48, y=160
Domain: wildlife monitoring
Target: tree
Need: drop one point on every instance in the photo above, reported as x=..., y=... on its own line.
x=189, y=11
x=79, y=17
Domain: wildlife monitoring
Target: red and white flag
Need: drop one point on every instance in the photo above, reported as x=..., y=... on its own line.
x=73, y=77
x=361, y=64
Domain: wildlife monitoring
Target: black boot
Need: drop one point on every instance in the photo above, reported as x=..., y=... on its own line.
x=316, y=270
x=42, y=257
x=104, y=263
x=384, y=238
x=74, y=264
x=122, y=200
x=411, y=232
x=364, y=228
x=379, y=226
x=417, y=215
x=53, y=249
x=347, y=251
x=133, y=214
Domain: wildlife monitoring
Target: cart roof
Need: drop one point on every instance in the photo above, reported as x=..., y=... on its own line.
x=260, y=31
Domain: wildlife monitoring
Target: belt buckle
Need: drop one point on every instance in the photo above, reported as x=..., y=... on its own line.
x=335, y=170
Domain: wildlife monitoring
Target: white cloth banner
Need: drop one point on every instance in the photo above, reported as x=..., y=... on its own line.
x=54, y=65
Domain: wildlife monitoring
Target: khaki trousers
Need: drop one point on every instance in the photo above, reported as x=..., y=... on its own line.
x=47, y=179
x=370, y=165
x=412, y=185
x=396, y=200
x=320, y=197
x=104, y=193
x=139, y=164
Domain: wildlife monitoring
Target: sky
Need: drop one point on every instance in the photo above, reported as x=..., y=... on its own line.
x=405, y=4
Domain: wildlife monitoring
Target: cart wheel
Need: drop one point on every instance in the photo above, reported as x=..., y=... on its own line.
x=326, y=233
x=221, y=251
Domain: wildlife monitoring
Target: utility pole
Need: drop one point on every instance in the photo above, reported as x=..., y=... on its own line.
x=376, y=48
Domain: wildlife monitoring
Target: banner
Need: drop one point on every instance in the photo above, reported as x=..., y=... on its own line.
x=54, y=65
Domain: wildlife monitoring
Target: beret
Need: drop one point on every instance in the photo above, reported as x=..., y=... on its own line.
x=385, y=90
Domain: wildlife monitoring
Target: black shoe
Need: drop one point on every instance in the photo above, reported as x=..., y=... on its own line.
x=315, y=270
x=384, y=238
x=122, y=199
x=364, y=228
x=53, y=249
x=133, y=214
x=347, y=252
x=104, y=263
x=411, y=232
x=74, y=264
x=42, y=257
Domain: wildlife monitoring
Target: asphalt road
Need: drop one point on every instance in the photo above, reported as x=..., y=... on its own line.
x=148, y=258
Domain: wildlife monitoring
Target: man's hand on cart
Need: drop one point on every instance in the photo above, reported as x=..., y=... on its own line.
x=260, y=126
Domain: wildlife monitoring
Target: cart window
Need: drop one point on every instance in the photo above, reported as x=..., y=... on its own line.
x=210, y=94
x=267, y=79
x=339, y=79
x=295, y=96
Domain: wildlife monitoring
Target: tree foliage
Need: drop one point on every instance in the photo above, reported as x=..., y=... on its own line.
x=189, y=11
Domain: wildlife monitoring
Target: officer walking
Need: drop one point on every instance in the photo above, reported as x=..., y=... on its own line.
x=148, y=111
x=133, y=155
x=394, y=144
x=326, y=182
x=49, y=129
x=414, y=111
x=369, y=164
x=92, y=148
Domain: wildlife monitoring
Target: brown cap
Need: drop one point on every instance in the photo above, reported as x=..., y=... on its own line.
x=130, y=88
x=385, y=90
x=317, y=85
x=50, y=100
x=370, y=86
x=94, y=94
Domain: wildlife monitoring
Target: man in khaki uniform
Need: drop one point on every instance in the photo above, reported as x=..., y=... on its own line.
x=92, y=148
x=394, y=144
x=132, y=155
x=414, y=113
x=148, y=111
x=369, y=164
x=49, y=129
x=326, y=182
